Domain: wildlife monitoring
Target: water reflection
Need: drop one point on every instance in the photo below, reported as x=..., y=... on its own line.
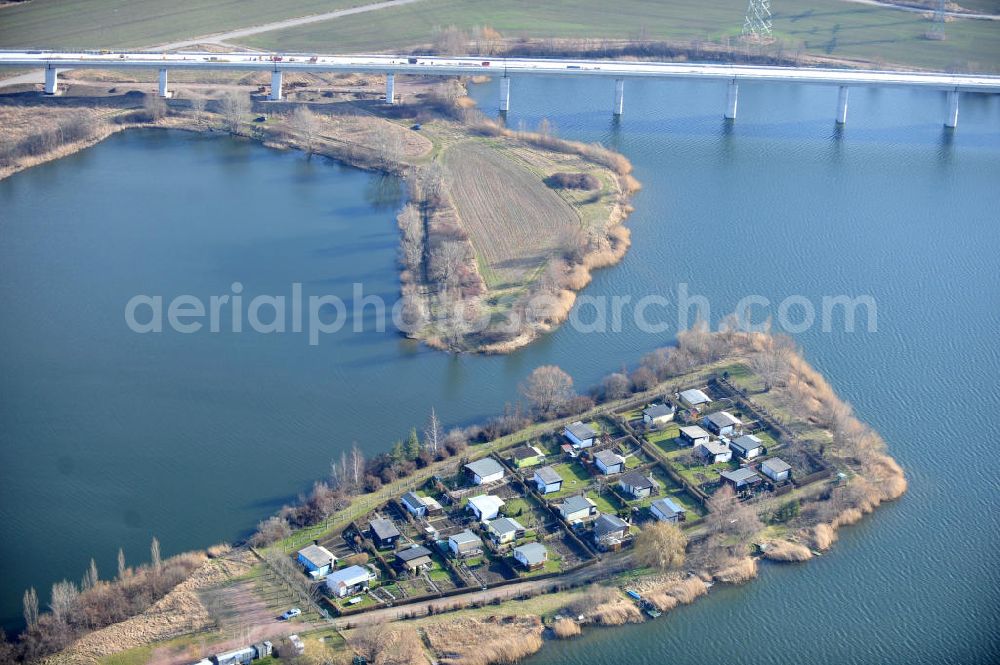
x=384, y=192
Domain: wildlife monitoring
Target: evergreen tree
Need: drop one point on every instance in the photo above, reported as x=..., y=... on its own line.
x=412, y=448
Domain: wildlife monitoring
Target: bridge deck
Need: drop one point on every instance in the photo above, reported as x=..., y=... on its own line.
x=401, y=64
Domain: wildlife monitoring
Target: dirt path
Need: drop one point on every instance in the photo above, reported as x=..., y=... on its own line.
x=220, y=37
x=924, y=10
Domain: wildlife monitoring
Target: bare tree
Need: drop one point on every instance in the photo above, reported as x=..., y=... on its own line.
x=269, y=530
x=433, y=434
x=30, y=602
x=155, y=107
x=771, y=362
x=386, y=142
x=548, y=388
x=616, y=386
x=198, y=109
x=90, y=577
x=661, y=546
x=357, y=465
x=447, y=262
x=154, y=554
x=657, y=362
x=643, y=378
x=411, y=228
x=65, y=599
x=122, y=569
x=450, y=41
x=234, y=107
x=304, y=122
x=732, y=518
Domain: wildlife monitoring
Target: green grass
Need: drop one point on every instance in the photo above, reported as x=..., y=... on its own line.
x=664, y=436
x=575, y=479
x=816, y=27
x=604, y=502
x=135, y=23
x=136, y=656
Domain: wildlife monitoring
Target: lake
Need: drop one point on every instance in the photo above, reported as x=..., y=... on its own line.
x=108, y=437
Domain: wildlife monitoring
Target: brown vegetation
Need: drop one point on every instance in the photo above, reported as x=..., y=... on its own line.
x=488, y=641
x=784, y=550
x=565, y=628
x=587, y=181
x=660, y=546
x=379, y=645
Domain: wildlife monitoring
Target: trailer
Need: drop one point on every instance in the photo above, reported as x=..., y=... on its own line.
x=242, y=656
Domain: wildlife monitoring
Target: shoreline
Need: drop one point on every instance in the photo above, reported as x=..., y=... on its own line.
x=806, y=406
x=455, y=314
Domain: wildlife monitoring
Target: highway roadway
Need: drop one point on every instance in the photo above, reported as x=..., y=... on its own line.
x=436, y=65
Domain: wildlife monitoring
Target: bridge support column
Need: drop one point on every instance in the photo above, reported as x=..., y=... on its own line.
x=275, y=94
x=505, y=94
x=163, y=91
x=51, y=81
x=732, y=96
x=842, y=105
x=951, y=120
x=619, y=97
x=390, y=88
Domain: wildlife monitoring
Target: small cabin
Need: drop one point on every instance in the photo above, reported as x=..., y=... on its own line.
x=504, y=530
x=692, y=435
x=742, y=480
x=316, y=560
x=636, y=484
x=695, y=398
x=383, y=533
x=722, y=423
x=665, y=510
x=531, y=555
x=576, y=509
x=347, y=581
x=609, y=531
x=486, y=470
x=414, y=558
x=465, y=544
x=713, y=452
x=657, y=414
x=747, y=446
x=526, y=456
x=485, y=507
x=580, y=435
x=609, y=462
x=547, y=480
x=776, y=469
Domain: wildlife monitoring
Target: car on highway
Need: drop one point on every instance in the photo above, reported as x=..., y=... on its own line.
x=291, y=614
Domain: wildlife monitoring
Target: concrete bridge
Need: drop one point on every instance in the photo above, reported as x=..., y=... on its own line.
x=505, y=69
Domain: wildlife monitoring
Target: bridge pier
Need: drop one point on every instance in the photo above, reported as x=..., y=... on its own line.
x=619, y=97
x=505, y=94
x=842, y=105
x=390, y=88
x=163, y=91
x=951, y=120
x=732, y=96
x=275, y=94
x=51, y=81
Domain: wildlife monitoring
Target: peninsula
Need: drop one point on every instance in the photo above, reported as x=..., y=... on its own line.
x=478, y=545
x=501, y=228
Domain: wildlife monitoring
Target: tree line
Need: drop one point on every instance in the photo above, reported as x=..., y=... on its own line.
x=78, y=608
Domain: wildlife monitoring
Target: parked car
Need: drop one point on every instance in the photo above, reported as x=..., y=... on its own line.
x=291, y=614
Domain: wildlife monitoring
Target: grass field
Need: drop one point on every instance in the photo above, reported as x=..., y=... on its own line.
x=134, y=23
x=819, y=27
x=514, y=220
